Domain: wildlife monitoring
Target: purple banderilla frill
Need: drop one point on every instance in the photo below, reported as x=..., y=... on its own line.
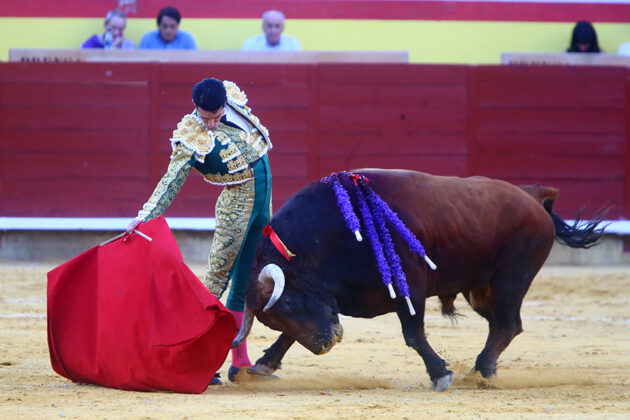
x=376, y=215
x=343, y=201
x=385, y=237
x=377, y=248
x=393, y=220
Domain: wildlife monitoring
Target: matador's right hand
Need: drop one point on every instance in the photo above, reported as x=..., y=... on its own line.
x=132, y=226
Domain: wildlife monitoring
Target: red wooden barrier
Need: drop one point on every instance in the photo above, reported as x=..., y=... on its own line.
x=562, y=126
x=91, y=139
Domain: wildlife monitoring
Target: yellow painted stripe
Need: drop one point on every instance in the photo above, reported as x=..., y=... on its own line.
x=427, y=41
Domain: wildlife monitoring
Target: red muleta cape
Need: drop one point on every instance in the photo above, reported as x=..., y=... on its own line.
x=131, y=315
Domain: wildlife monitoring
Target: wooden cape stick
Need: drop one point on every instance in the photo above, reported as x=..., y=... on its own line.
x=123, y=234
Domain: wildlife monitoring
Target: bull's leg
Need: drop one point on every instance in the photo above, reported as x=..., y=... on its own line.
x=500, y=304
x=501, y=334
x=413, y=331
x=272, y=359
x=500, y=300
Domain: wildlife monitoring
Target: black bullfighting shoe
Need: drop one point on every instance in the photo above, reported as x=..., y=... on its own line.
x=233, y=372
x=245, y=374
x=216, y=380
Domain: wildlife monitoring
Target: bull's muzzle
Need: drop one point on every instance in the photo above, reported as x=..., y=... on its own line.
x=336, y=336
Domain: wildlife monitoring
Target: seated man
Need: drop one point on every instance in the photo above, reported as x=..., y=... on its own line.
x=114, y=35
x=168, y=36
x=272, y=39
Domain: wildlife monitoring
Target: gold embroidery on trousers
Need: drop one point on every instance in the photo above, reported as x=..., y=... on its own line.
x=233, y=211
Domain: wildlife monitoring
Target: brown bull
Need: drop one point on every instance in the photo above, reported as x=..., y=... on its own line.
x=487, y=237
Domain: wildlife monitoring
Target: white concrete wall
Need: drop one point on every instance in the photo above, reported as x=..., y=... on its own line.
x=59, y=246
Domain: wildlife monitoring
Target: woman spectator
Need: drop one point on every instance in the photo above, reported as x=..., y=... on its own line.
x=114, y=35
x=584, y=38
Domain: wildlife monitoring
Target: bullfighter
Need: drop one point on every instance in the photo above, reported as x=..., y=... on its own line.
x=228, y=146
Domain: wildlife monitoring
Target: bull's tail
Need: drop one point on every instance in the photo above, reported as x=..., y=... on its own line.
x=582, y=233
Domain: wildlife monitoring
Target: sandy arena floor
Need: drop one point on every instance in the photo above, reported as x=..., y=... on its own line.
x=571, y=362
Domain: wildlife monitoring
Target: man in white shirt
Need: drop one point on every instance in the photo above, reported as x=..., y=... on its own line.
x=272, y=39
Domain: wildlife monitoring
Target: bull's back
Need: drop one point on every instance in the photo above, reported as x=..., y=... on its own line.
x=465, y=221
x=443, y=203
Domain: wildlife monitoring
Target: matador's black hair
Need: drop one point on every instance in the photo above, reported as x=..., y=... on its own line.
x=209, y=95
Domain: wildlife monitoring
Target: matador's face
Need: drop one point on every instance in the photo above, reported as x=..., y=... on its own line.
x=210, y=119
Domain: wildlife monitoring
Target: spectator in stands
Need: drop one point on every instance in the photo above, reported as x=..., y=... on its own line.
x=584, y=38
x=272, y=39
x=168, y=36
x=114, y=35
x=624, y=49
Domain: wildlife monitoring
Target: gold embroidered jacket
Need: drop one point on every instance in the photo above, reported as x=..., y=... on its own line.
x=224, y=156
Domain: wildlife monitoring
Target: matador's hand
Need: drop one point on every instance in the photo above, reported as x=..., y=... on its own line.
x=132, y=226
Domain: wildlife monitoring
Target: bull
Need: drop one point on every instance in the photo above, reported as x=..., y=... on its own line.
x=488, y=238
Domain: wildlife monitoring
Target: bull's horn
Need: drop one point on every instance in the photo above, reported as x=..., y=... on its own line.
x=246, y=326
x=272, y=272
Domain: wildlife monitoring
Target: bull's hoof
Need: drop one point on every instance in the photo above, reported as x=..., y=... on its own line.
x=232, y=372
x=488, y=382
x=246, y=374
x=489, y=375
x=262, y=370
x=442, y=383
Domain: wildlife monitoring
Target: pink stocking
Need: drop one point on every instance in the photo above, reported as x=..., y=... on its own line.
x=239, y=354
